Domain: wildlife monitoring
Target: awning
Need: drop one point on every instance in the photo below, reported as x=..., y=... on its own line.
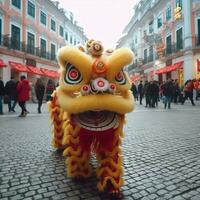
x=19, y=67
x=50, y=73
x=2, y=64
x=170, y=68
x=135, y=78
x=35, y=70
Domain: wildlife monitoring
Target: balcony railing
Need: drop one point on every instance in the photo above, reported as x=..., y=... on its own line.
x=11, y=43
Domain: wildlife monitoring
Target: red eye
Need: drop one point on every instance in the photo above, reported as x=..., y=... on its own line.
x=120, y=78
x=73, y=75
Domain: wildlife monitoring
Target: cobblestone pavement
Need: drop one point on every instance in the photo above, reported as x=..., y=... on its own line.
x=161, y=152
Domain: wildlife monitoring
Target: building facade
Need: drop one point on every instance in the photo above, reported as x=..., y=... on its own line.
x=31, y=32
x=165, y=38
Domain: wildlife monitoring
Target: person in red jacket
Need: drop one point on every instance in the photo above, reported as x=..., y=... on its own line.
x=23, y=89
x=188, y=90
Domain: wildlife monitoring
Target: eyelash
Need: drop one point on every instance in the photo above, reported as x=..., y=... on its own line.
x=72, y=75
x=120, y=78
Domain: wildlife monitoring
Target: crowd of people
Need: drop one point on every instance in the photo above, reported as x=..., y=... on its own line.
x=13, y=92
x=167, y=92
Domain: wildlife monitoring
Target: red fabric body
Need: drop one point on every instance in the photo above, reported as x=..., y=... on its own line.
x=97, y=141
x=23, y=89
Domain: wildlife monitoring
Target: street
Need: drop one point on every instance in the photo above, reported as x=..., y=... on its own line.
x=161, y=151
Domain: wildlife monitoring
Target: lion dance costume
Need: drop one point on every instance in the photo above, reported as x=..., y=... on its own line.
x=88, y=111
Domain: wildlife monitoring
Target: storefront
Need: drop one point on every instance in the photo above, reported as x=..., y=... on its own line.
x=174, y=71
x=2, y=65
x=32, y=73
x=135, y=78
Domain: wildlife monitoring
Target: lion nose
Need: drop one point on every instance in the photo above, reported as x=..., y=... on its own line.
x=99, y=85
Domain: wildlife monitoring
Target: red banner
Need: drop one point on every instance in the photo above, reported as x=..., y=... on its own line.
x=198, y=65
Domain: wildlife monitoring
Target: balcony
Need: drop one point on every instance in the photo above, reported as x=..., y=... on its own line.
x=173, y=48
x=6, y=41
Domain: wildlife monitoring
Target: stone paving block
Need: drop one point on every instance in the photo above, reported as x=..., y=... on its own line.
x=160, y=162
x=49, y=194
x=16, y=197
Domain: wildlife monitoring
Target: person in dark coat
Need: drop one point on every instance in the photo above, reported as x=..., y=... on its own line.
x=168, y=93
x=152, y=93
x=176, y=91
x=39, y=91
x=2, y=92
x=140, y=91
x=49, y=89
x=146, y=93
x=23, y=89
x=134, y=91
x=11, y=92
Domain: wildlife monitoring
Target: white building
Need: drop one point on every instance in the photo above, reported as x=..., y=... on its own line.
x=31, y=32
x=165, y=37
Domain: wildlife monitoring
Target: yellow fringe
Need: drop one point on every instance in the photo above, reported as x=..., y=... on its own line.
x=70, y=151
x=118, y=172
x=101, y=186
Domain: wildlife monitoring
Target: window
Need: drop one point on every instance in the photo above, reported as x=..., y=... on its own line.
x=43, y=48
x=150, y=54
x=53, y=51
x=151, y=27
x=53, y=25
x=135, y=39
x=145, y=56
x=15, y=37
x=71, y=39
x=179, y=39
x=198, y=32
x=179, y=3
x=31, y=9
x=30, y=43
x=16, y=3
x=159, y=21
x=66, y=36
x=168, y=13
x=0, y=31
x=61, y=31
x=43, y=18
x=169, y=44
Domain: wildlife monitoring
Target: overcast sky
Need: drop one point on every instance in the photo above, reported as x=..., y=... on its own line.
x=102, y=20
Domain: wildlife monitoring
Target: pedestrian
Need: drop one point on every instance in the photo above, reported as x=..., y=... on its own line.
x=140, y=91
x=11, y=92
x=156, y=90
x=134, y=91
x=153, y=90
x=39, y=91
x=176, y=92
x=2, y=92
x=167, y=93
x=196, y=88
x=23, y=89
x=188, y=91
x=146, y=93
x=49, y=89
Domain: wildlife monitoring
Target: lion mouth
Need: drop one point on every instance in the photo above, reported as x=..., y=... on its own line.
x=97, y=120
